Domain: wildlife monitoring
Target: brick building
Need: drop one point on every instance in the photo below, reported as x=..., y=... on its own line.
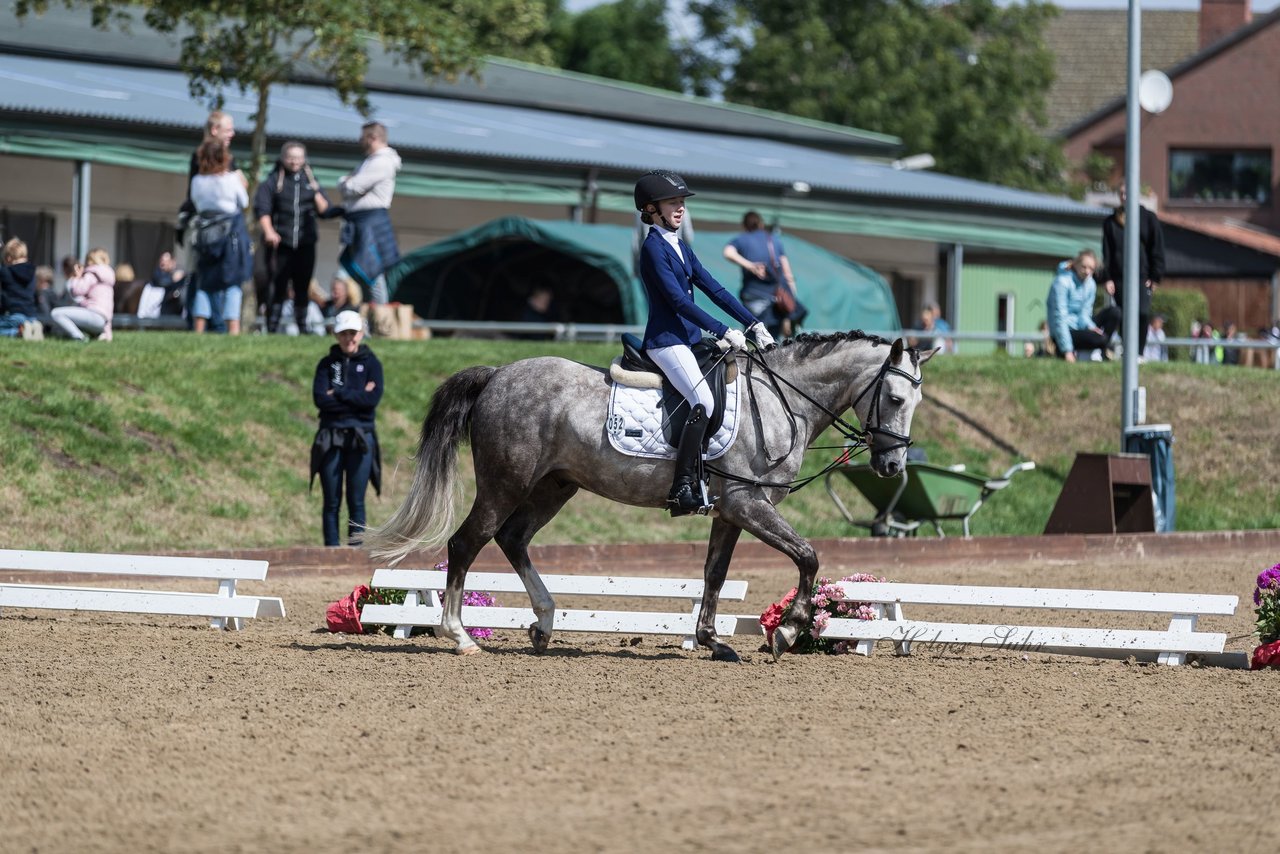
x=1210, y=161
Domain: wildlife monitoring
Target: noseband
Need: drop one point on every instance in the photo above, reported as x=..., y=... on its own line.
x=859, y=438
x=874, y=428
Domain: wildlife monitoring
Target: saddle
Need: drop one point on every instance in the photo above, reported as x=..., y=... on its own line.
x=718, y=372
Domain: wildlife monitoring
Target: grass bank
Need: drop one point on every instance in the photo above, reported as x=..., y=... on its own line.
x=168, y=441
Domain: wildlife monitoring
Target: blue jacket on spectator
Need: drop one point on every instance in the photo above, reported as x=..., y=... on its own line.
x=1070, y=306
x=369, y=246
x=349, y=405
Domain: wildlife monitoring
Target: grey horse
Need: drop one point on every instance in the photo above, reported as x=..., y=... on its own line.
x=537, y=434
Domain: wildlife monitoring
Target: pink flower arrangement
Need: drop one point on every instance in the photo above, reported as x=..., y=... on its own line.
x=1266, y=596
x=344, y=615
x=826, y=604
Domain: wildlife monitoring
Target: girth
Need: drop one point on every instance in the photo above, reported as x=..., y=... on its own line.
x=675, y=409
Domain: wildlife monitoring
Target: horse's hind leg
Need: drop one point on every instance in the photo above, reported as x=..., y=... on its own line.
x=724, y=537
x=479, y=527
x=513, y=537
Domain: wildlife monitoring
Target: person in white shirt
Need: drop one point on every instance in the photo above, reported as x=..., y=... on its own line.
x=368, y=241
x=221, y=240
x=1156, y=351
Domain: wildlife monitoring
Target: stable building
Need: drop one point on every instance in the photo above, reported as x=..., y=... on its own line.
x=96, y=131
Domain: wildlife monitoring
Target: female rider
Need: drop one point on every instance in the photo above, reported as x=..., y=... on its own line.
x=670, y=271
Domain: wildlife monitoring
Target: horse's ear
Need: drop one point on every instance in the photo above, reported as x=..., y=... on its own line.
x=927, y=355
x=895, y=354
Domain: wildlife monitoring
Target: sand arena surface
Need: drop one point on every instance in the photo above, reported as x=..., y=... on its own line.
x=121, y=732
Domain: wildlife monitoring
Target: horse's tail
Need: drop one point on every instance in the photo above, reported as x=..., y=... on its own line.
x=426, y=518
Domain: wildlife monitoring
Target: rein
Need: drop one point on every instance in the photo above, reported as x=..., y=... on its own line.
x=859, y=439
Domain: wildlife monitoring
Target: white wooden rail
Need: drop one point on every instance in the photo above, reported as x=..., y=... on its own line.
x=422, y=606
x=225, y=608
x=1170, y=646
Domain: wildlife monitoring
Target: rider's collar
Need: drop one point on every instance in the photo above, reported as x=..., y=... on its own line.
x=672, y=238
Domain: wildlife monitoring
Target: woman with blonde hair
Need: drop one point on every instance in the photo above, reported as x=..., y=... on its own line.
x=92, y=285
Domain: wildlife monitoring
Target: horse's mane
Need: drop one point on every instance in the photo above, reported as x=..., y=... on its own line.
x=808, y=341
x=812, y=338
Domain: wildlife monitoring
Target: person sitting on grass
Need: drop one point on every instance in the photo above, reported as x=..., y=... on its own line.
x=92, y=285
x=18, y=310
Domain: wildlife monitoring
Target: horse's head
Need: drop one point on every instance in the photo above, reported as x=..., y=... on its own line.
x=886, y=406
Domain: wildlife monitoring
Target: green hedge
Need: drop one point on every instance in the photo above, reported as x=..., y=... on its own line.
x=1179, y=306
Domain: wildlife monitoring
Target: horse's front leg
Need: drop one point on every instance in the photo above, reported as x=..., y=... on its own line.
x=719, y=552
x=763, y=520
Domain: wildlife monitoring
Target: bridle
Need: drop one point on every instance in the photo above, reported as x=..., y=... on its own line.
x=859, y=439
x=873, y=414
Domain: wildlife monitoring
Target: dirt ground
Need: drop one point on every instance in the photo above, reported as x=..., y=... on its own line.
x=122, y=732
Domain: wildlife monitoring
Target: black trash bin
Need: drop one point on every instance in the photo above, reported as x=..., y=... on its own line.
x=1156, y=441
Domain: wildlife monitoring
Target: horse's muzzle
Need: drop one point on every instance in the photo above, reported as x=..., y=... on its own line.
x=888, y=464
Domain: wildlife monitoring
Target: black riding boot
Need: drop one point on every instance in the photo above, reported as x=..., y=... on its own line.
x=686, y=490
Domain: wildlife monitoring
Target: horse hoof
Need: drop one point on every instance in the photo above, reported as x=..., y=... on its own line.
x=468, y=650
x=539, y=639
x=725, y=653
x=781, y=643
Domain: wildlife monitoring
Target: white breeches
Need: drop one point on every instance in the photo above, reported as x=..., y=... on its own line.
x=678, y=363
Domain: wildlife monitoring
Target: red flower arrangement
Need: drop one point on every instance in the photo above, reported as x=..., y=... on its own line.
x=344, y=615
x=827, y=603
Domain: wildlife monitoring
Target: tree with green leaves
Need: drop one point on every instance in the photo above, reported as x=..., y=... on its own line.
x=625, y=40
x=256, y=45
x=964, y=80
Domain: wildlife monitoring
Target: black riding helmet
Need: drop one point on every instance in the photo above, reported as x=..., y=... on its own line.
x=658, y=185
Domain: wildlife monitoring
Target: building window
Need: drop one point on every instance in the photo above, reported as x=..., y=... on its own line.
x=36, y=229
x=1220, y=177
x=140, y=242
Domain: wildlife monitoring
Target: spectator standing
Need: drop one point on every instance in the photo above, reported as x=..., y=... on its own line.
x=1150, y=260
x=369, y=246
x=765, y=267
x=1071, y=320
x=19, y=314
x=218, y=127
x=221, y=240
x=92, y=285
x=347, y=389
x=1155, y=350
x=287, y=205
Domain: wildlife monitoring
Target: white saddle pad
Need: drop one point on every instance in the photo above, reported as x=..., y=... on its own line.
x=634, y=422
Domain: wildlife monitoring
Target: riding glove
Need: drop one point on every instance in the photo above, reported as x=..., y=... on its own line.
x=733, y=339
x=761, y=335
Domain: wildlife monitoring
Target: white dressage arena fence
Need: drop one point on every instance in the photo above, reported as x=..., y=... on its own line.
x=1167, y=647
x=422, y=605
x=225, y=609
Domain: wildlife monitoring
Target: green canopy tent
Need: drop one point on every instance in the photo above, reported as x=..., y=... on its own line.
x=487, y=273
